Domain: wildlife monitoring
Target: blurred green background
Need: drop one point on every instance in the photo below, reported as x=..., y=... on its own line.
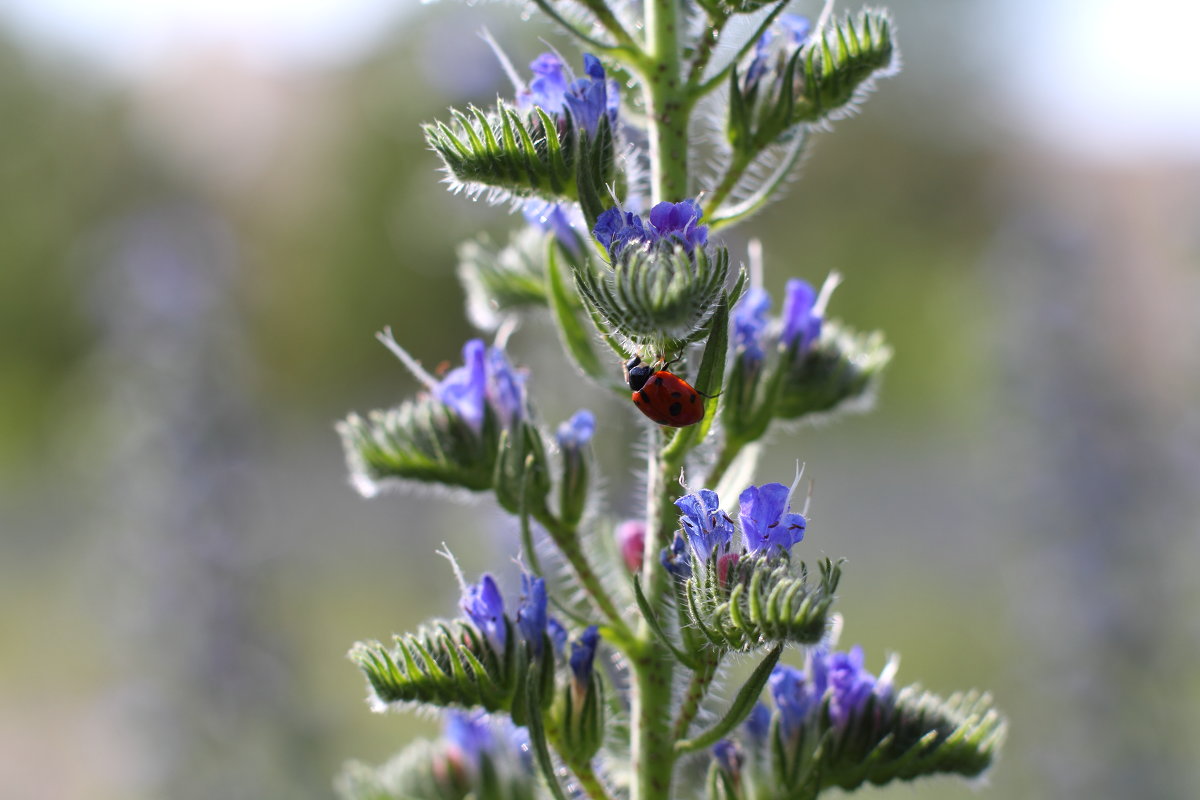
x=206, y=214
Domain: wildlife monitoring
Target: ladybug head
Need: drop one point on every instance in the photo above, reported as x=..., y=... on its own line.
x=636, y=373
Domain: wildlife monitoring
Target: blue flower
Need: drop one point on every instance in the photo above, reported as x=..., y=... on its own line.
x=468, y=734
x=531, y=614
x=849, y=684
x=583, y=655
x=464, y=388
x=576, y=432
x=669, y=225
x=766, y=523
x=593, y=97
x=564, y=221
x=758, y=725
x=484, y=606
x=705, y=524
x=675, y=558
x=801, y=324
x=548, y=86
x=586, y=99
x=518, y=740
x=794, y=696
x=505, y=388
x=749, y=322
x=795, y=29
x=558, y=634
x=729, y=757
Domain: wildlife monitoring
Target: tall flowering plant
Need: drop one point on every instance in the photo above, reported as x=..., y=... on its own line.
x=603, y=673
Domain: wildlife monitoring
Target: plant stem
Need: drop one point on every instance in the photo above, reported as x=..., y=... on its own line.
x=588, y=781
x=668, y=102
x=653, y=745
x=697, y=688
x=566, y=538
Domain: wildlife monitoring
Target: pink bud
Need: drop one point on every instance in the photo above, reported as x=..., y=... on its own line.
x=723, y=564
x=631, y=538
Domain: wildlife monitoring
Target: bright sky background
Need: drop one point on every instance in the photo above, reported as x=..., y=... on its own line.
x=1104, y=79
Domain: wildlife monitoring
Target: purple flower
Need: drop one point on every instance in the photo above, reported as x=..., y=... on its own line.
x=591, y=98
x=586, y=99
x=838, y=677
x=576, y=432
x=564, y=221
x=766, y=523
x=558, y=634
x=464, y=388
x=849, y=684
x=675, y=558
x=548, y=86
x=583, y=655
x=801, y=325
x=729, y=757
x=758, y=725
x=669, y=224
x=794, y=696
x=505, y=388
x=484, y=606
x=749, y=322
x=468, y=734
x=795, y=29
x=518, y=740
x=705, y=524
x=531, y=614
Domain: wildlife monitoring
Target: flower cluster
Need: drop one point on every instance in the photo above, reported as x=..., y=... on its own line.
x=833, y=677
x=587, y=99
x=483, y=605
x=485, y=379
x=669, y=225
x=799, y=324
x=767, y=523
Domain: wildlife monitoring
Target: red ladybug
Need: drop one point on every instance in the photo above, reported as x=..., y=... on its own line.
x=663, y=396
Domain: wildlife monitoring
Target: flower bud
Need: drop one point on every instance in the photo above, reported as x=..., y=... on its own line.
x=573, y=437
x=579, y=709
x=631, y=541
x=662, y=283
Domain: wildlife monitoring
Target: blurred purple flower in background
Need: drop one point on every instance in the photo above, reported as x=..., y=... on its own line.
x=801, y=322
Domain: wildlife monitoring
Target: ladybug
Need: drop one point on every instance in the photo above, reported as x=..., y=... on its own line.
x=663, y=396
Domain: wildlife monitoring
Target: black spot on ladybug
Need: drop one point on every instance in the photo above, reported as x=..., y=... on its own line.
x=675, y=409
x=640, y=397
x=693, y=398
x=676, y=394
x=658, y=381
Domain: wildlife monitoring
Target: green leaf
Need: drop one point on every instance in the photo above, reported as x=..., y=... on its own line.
x=444, y=664
x=502, y=280
x=576, y=339
x=742, y=704
x=422, y=441
x=840, y=65
x=504, y=154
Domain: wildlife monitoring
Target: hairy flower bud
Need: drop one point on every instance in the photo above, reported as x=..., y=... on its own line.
x=663, y=281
